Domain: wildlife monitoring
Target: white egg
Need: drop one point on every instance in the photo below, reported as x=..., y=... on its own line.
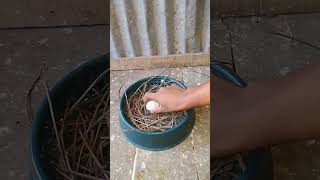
x=152, y=105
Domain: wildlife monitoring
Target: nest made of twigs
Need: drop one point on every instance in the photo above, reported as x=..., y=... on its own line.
x=78, y=142
x=141, y=118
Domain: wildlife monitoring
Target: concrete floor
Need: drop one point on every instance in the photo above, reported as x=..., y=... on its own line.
x=188, y=160
x=22, y=52
x=261, y=55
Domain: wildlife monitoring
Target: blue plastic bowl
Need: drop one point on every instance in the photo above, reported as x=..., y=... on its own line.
x=155, y=141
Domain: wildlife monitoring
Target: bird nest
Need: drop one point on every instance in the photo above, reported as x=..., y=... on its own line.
x=141, y=118
x=78, y=139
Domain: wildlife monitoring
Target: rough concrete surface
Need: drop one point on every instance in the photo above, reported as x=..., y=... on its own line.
x=261, y=55
x=38, y=13
x=22, y=52
x=186, y=161
x=263, y=7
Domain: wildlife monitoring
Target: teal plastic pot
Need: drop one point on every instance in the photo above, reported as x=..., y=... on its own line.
x=69, y=89
x=258, y=163
x=155, y=141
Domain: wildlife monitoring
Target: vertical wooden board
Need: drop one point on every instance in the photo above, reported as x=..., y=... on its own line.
x=37, y=13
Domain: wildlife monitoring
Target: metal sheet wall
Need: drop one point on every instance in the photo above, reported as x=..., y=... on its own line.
x=159, y=27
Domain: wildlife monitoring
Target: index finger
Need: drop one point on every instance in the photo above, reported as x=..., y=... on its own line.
x=148, y=96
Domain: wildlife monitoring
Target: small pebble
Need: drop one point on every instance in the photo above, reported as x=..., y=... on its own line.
x=4, y=131
x=113, y=137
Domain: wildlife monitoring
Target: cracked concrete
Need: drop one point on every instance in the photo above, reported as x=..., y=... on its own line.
x=260, y=55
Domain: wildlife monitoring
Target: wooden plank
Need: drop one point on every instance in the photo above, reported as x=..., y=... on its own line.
x=225, y=8
x=39, y=13
x=177, y=60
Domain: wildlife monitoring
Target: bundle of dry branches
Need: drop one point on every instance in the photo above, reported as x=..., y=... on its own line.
x=142, y=118
x=78, y=144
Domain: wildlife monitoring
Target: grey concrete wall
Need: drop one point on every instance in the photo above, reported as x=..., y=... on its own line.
x=159, y=27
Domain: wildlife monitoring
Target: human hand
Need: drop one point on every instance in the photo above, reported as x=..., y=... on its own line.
x=170, y=99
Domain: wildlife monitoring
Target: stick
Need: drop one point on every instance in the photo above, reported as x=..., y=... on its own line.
x=88, y=176
x=63, y=149
x=63, y=174
x=95, y=113
x=86, y=92
x=92, y=154
x=29, y=94
x=53, y=120
x=151, y=78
